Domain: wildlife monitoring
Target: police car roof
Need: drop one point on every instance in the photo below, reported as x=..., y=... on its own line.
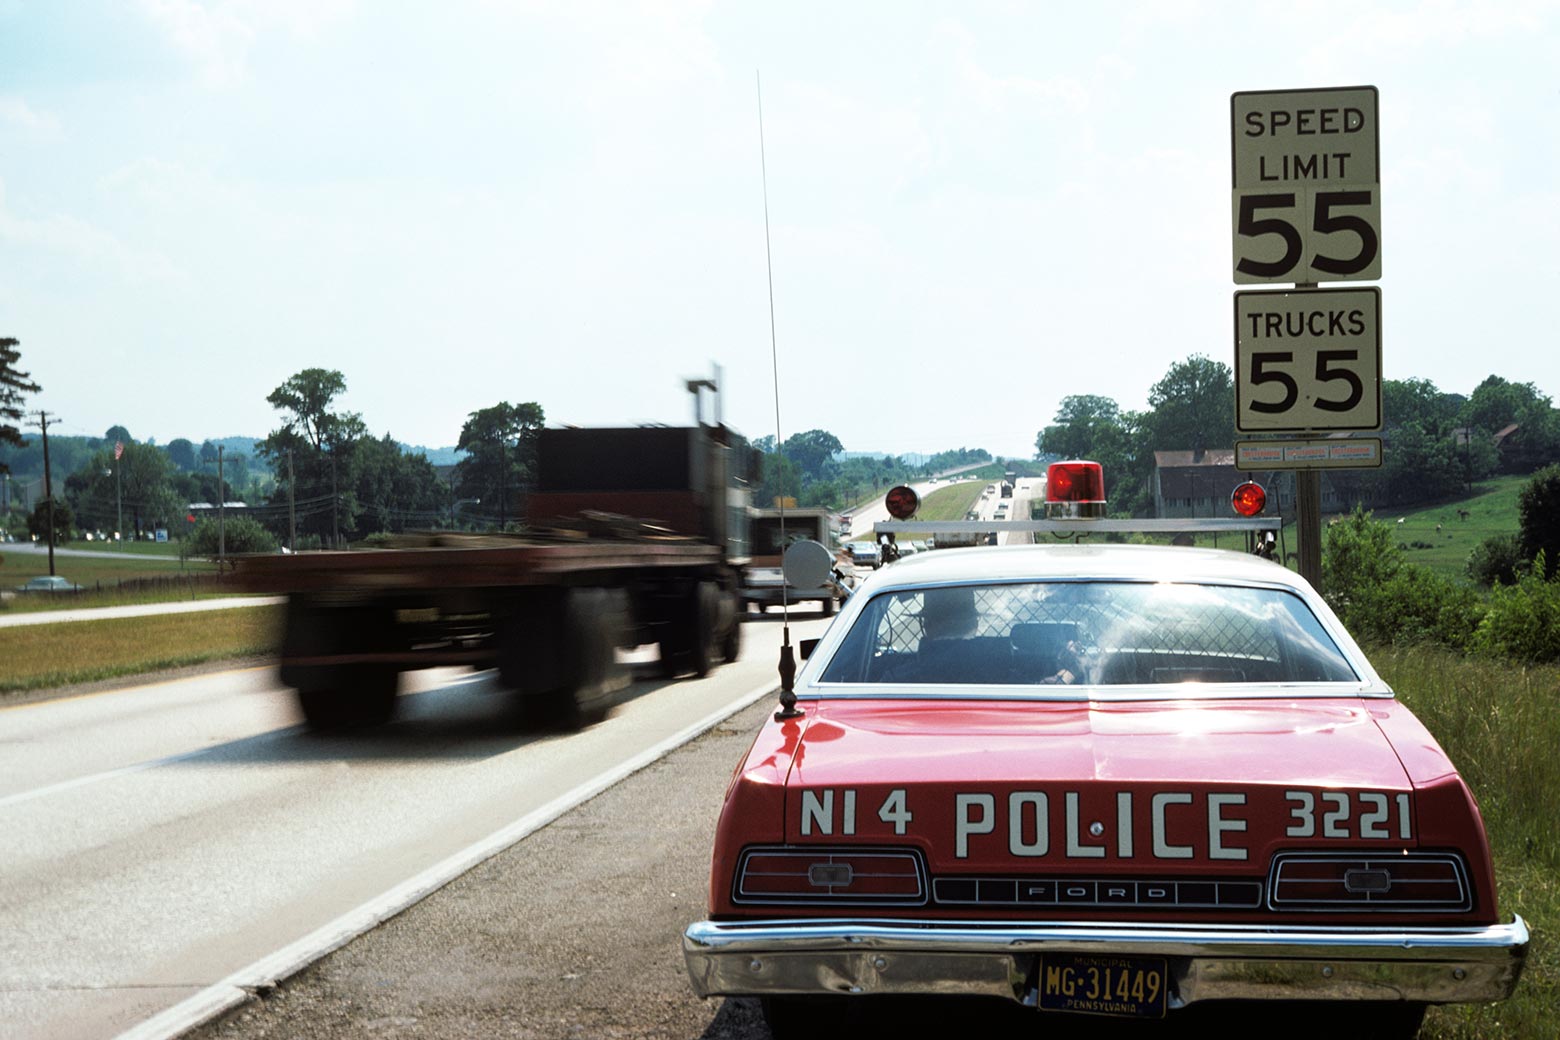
x=1039, y=562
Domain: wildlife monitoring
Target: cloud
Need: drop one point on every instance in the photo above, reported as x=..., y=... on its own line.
x=14, y=111
x=218, y=37
x=75, y=238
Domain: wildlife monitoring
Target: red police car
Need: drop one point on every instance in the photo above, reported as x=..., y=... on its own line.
x=1104, y=779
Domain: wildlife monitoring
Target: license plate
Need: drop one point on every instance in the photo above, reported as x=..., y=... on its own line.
x=1095, y=984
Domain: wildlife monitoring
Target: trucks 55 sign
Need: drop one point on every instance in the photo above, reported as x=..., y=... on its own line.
x=1307, y=188
x=1308, y=360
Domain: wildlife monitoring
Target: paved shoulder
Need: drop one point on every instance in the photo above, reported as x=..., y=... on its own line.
x=576, y=931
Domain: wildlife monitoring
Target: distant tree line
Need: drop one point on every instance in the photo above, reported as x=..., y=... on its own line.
x=1436, y=444
x=810, y=468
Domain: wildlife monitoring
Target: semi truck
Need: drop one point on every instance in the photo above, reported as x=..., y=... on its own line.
x=773, y=531
x=632, y=536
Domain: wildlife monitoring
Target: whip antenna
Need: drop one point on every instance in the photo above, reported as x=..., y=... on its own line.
x=787, y=655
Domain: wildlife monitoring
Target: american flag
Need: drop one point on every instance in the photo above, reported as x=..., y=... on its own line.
x=119, y=449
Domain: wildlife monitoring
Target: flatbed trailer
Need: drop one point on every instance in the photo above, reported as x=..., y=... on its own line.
x=548, y=608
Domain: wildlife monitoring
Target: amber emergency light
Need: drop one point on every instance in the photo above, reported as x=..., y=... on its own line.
x=1249, y=499
x=1075, y=490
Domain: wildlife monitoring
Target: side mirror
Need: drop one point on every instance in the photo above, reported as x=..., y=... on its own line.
x=807, y=646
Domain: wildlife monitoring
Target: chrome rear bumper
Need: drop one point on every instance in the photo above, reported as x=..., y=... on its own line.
x=1232, y=962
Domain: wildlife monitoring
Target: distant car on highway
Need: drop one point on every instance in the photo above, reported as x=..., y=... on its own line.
x=48, y=583
x=865, y=554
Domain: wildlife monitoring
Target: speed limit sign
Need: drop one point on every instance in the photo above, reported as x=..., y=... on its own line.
x=1308, y=359
x=1306, y=205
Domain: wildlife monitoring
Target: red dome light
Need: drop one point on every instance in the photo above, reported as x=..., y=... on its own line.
x=1249, y=499
x=902, y=502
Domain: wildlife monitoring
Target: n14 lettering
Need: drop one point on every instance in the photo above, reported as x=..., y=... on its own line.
x=1333, y=815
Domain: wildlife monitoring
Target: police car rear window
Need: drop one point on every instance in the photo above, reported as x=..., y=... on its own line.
x=1093, y=633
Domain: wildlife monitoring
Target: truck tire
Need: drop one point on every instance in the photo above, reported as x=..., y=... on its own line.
x=689, y=644
x=731, y=645
x=561, y=657
x=353, y=697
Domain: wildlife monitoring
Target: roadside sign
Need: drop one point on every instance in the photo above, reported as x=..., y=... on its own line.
x=1342, y=453
x=1308, y=359
x=1306, y=204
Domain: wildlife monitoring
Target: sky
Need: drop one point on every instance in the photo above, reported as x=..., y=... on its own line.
x=975, y=210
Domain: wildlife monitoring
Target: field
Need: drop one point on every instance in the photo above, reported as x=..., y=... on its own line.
x=1445, y=536
x=950, y=502
x=140, y=576
x=46, y=656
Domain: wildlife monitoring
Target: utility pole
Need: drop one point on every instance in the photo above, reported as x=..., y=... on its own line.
x=119, y=498
x=292, y=507
x=335, y=502
x=48, y=486
x=221, y=514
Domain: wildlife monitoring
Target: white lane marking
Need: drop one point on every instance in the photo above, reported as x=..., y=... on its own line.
x=234, y=990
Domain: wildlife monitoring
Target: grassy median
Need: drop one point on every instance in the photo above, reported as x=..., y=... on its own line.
x=35, y=657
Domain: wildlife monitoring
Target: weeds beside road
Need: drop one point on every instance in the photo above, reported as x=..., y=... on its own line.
x=41, y=657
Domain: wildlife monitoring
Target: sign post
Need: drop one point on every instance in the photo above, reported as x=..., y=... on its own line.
x=1306, y=208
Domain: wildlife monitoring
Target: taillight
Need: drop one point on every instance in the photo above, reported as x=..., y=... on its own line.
x=1075, y=490
x=1412, y=881
x=829, y=875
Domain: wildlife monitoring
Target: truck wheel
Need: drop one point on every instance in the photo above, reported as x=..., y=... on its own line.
x=689, y=644
x=731, y=645
x=563, y=664
x=356, y=697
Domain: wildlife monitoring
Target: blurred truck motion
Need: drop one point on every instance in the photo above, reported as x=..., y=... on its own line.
x=633, y=536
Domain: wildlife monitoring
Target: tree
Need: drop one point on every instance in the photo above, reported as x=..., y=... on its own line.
x=1192, y=407
x=14, y=386
x=320, y=443
x=501, y=446
x=119, y=434
x=1538, y=516
x=1086, y=427
x=240, y=534
x=395, y=490
x=1497, y=403
x=1419, y=401
x=64, y=521
x=182, y=454
x=812, y=451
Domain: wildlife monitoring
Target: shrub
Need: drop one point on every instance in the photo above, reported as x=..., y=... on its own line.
x=1358, y=556
x=1523, y=619
x=1538, y=513
x=1496, y=560
x=239, y=535
x=1381, y=598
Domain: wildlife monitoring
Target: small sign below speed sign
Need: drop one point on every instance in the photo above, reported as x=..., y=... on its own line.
x=1306, y=205
x=1308, y=359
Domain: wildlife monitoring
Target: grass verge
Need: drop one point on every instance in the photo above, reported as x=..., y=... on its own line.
x=1501, y=726
x=950, y=503
x=37, y=657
